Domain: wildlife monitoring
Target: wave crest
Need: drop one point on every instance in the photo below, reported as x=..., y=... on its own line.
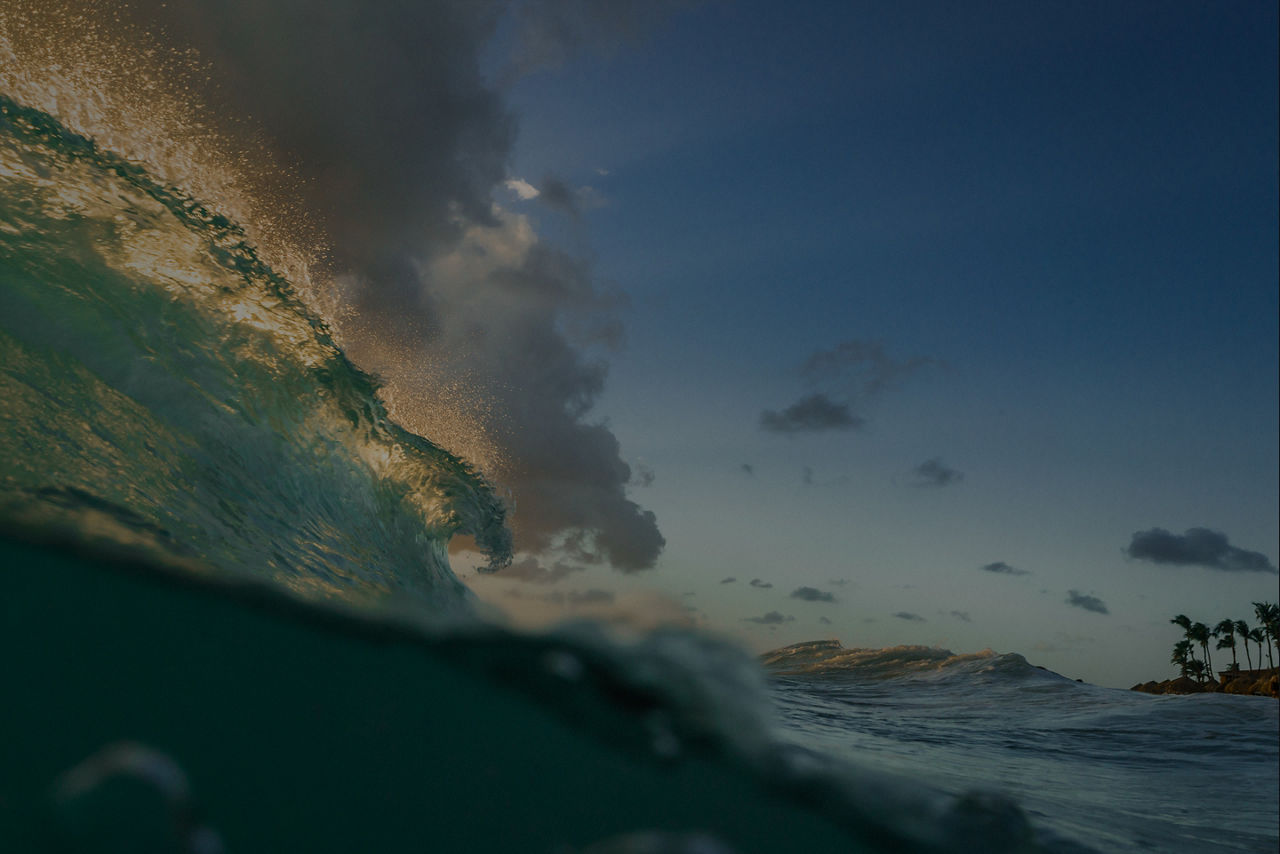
x=831, y=658
x=161, y=377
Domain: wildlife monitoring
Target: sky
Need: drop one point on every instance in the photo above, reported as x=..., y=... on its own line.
x=1025, y=253
x=930, y=323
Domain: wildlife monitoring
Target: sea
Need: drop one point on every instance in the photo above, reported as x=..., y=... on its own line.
x=230, y=622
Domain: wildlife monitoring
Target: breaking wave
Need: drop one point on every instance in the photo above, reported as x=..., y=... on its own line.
x=168, y=391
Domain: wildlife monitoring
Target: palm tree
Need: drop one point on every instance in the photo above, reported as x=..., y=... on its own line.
x=1196, y=668
x=1226, y=633
x=1256, y=635
x=1242, y=629
x=1268, y=615
x=1182, y=656
x=1200, y=634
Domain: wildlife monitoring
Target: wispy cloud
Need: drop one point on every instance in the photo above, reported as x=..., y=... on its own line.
x=590, y=597
x=730, y=580
x=907, y=615
x=862, y=367
x=763, y=585
x=642, y=475
x=1088, y=603
x=962, y=616
x=530, y=568
x=1197, y=547
x=935, y=473
x=843, y=379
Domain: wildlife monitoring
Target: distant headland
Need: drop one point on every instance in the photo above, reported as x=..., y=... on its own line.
x=1196, y=675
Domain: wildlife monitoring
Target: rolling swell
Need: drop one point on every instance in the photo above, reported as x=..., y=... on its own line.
x=166, y=390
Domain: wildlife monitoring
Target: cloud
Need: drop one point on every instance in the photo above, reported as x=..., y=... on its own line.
x=962, y=616
x=1089, y=603
x=729, y=580
x=557, y=194
x=812, y=594
x=531, y=569
x=747, y=468
x=935, y=473
x=763, y=585
x=590, y=597
x=1001, y=568
x=862, y=367
x=907, y=615
x=1197, y=547
x=642, y=475
x=772, y=618
x=522, y=188
x=843, y=378
x=824, y=621
x=813, y=413
x=488, y=342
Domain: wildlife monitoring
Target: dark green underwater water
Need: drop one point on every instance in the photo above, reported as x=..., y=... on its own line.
x=305, y=733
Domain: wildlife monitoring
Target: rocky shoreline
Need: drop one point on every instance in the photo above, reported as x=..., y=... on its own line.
x=1263, y=683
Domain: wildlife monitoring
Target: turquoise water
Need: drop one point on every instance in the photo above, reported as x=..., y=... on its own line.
x=233, y=625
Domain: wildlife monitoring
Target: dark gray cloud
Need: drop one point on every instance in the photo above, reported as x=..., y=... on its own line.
x=763, y=585
x=812, y=594
x=935, y=473
x=907, y=615
x=1001, y=568
x=813, y=413
x=1088, y=603
x=824, y=621
x=1197, y=547
x=398, y=142
x=772, y=618
x=962, y=616
x=748, y=469
x=730, y=580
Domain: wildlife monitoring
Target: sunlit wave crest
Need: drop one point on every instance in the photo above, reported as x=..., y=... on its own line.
x=166, y=382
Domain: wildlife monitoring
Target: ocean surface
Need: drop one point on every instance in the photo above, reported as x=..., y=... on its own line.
x=231, y=623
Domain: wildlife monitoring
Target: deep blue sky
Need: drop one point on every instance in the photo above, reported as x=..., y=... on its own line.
x=1069, y=208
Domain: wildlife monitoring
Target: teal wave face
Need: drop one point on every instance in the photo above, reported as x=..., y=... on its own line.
x=165, y=388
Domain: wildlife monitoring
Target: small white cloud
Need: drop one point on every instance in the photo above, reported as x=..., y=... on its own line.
x=522, y=188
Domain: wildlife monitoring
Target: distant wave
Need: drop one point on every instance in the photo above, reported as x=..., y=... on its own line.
x=831, y=658
x=168, y=391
